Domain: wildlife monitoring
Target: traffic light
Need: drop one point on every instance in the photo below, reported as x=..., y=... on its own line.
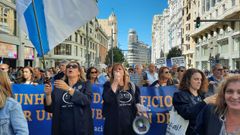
x=198, y=22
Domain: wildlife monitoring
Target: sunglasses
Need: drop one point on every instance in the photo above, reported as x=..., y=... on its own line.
x=167, y=72
x=72, y=66
x=94, y=72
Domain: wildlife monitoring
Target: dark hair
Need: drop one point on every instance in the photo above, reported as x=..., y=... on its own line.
x=225, y=67
x=89, y=72
x=181, y=67
x=185, y=83
x=31, y=71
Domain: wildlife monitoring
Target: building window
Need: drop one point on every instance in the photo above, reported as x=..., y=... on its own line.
x=213, y=3
x=81, y=52
x=81, y=40
x=8, y=20
x=63, y=49
x=208, y=5
x=203, y=6
x=233, y=2
x=76, y=37
x=224, y=7
x=76, y=50
x=216, y=12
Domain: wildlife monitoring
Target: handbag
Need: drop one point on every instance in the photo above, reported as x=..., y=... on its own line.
x=177, y=124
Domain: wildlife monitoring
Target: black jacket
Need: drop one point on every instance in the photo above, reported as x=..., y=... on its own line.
x=208, y=122
x=111, y=111
x=81, y=99
x=188, y=107
x=169, y=83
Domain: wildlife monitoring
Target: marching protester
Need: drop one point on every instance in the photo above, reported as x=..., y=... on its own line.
x=151, y=75
x=164, y=78
x=12, y=120
x=137, y=77
x=215, y=79
x=69, y=103
x=38, y=75
x=119, y=107
x=174, y=71
x=92, y=75
x=189, y=101
x=62, y=70
x=225, y=72
x=5, y=68
x=104, y=77
x=224, y=117
x=180, y=72
x=27, y=76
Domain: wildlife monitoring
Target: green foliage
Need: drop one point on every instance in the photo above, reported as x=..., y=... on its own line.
x=174, y=52
x=118, y=56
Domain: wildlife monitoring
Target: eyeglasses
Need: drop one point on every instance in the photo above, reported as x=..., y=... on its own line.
x=220, y=69
x=72, y=66
x=94, y=72
x=181, y=70
x=167, y=72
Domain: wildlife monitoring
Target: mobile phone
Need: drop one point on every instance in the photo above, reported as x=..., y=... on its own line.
x=59, y=76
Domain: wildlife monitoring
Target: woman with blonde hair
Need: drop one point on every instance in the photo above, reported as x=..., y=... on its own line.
x=224, y=117
x=70, y=103
x=12, y=120
x=119, y=106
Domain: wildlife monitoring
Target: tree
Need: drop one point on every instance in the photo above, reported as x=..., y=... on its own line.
x=118, y=56
x=174, y=52
x=125, y=63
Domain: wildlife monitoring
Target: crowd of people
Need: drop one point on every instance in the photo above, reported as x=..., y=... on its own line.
x=210, y=101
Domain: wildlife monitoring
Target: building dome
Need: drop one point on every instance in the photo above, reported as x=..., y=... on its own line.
x=131, y=31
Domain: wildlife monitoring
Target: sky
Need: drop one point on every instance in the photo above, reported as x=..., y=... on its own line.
x=135, y=14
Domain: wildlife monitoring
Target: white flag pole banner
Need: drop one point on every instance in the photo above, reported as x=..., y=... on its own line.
x=177, y=124
x=57, y=19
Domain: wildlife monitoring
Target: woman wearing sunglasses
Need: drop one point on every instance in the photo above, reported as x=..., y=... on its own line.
x=164, y=78
x=92, y=75
x=70, y=103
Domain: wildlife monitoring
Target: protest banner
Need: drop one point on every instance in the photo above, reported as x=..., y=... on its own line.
x=159, y=100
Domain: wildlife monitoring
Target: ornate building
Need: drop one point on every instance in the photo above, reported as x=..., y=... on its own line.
x=218, y=41
x=110, y=26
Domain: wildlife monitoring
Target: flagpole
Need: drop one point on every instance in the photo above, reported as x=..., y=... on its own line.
x=39, y=35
